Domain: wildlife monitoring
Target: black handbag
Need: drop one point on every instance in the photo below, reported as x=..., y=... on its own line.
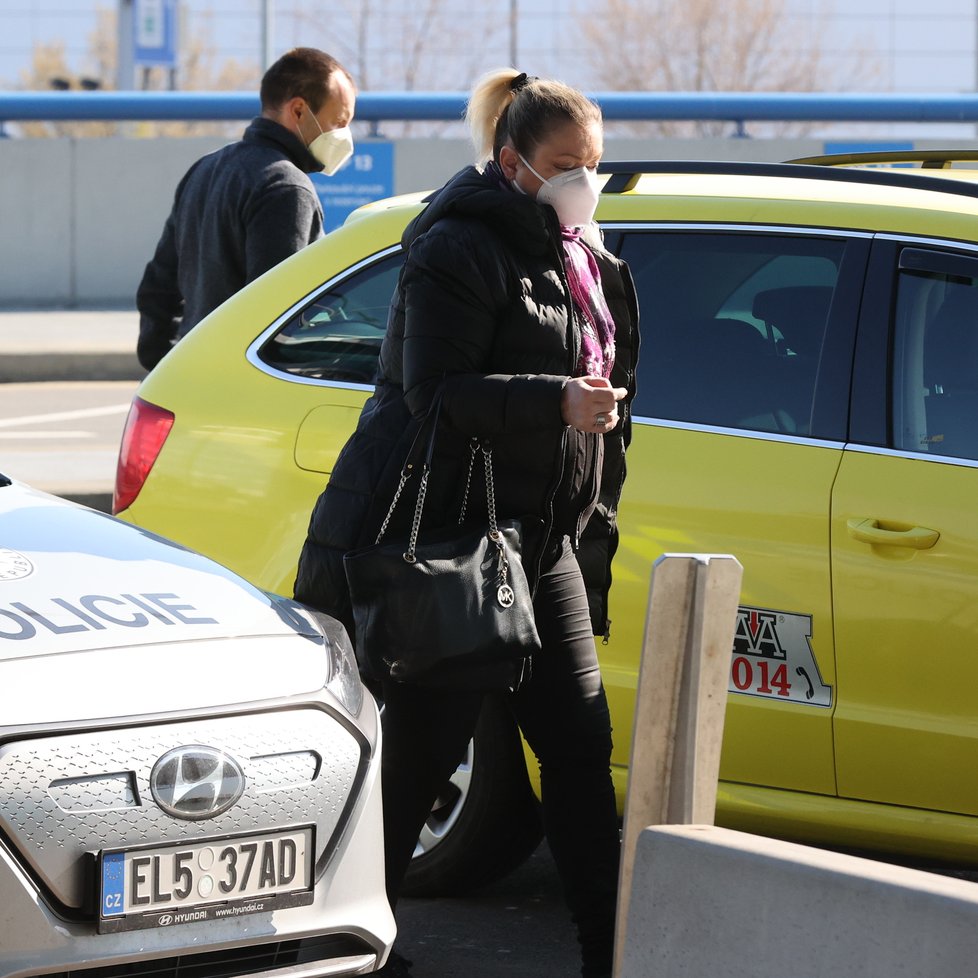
x=450, y=609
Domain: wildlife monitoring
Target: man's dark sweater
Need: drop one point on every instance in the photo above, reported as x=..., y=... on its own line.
x=236, y=213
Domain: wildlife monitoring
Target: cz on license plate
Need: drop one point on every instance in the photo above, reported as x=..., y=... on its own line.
x=166, y=885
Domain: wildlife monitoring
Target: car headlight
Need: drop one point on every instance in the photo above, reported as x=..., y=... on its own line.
x=343, y=678
x=344, y=674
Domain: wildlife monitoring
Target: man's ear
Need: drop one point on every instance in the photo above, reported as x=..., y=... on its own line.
x=508, y=161
x=293, y=110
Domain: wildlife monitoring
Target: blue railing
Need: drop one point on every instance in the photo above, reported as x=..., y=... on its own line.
x=448, y=106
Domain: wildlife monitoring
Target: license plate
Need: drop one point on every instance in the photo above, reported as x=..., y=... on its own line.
x=208, y=880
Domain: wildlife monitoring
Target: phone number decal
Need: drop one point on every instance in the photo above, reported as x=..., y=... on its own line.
x=773, y=657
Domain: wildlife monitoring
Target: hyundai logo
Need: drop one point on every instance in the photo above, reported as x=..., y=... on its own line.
x=196, y=782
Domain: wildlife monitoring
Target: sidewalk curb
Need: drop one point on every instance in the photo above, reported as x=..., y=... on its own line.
x=20, y=368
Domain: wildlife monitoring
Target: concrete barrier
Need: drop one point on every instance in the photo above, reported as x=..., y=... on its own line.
x=710, y=902
x=680, y=703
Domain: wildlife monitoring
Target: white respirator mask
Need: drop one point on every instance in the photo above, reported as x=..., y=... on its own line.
x=573, y=195
x=332, y=148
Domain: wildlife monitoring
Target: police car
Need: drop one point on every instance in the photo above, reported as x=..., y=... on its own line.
x=189, y=767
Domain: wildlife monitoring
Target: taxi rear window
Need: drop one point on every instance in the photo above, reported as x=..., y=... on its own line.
x=733, y=325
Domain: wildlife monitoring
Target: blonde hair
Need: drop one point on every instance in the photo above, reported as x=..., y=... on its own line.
x=507, y=105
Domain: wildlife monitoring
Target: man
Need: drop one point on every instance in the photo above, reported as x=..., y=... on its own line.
x=246, y=207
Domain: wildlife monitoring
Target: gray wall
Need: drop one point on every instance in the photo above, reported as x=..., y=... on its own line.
x=80, y=217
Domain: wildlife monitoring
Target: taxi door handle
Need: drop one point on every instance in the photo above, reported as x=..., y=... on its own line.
x=892, y=534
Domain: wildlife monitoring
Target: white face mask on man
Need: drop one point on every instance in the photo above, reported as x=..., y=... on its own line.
x=332, y=148
x=573, y=195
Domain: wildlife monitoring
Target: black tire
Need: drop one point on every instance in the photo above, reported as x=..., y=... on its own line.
x=487, y=820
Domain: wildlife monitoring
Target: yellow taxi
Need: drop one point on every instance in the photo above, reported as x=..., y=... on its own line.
x=807, y=401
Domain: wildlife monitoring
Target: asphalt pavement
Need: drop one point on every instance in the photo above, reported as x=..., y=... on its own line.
x=516, y=928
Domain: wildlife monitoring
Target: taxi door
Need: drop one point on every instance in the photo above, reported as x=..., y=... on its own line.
x=905, y=538
x=737, y=433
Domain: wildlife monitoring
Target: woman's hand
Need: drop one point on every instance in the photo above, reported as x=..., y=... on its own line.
x=591, y=404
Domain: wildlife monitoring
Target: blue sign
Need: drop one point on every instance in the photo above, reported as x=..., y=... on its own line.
x=154, y=25
x=368, y=175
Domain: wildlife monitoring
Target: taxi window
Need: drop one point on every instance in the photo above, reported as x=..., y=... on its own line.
x=934, y=404
x=338, y=335
x=732, y=325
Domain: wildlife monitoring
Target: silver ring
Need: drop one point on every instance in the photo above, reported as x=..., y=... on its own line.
x=601, y=419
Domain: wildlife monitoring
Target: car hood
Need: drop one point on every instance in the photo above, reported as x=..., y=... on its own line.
x=97, y=612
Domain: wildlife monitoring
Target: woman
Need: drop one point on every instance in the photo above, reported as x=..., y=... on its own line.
x=509, y=304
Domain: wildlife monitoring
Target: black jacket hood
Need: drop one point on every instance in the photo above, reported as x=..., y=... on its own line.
x=475, y=193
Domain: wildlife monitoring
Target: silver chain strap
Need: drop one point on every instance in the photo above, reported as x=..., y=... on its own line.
x=409, y=554
x=490, y=493
x=405, y=475
x=473, y=451
x=416, y=522
x=504, y=593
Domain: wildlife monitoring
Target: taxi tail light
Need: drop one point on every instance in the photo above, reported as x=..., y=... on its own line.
x=146, y=430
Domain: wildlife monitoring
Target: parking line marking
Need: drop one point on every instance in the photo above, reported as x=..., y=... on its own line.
x=98, y=412
x=50, y=435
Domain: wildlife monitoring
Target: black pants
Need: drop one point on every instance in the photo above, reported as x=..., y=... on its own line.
x=563, y=714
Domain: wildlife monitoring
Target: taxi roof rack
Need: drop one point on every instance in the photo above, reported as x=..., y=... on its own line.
x=625, y=175
x=929, y=159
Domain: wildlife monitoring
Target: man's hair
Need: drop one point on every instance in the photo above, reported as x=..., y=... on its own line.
x=302, y=72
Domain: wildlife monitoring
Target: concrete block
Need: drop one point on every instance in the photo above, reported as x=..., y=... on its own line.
x=124, y=192
x=37, y=246
x=708, y=902
x=425, y=164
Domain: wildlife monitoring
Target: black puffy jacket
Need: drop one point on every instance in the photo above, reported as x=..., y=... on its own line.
x=483, y=311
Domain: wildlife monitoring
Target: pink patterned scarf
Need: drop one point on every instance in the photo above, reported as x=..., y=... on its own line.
x=597, y=327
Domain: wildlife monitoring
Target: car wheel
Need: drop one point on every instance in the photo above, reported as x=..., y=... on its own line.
x=486, y=821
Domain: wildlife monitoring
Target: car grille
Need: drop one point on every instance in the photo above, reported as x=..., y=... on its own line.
x=65, y=797
x=233, y=961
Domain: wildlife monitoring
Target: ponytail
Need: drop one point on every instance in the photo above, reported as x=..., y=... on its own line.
x=491, y=97
x=507, y=105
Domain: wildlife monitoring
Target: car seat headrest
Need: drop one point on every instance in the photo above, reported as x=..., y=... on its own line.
x=799, y=312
